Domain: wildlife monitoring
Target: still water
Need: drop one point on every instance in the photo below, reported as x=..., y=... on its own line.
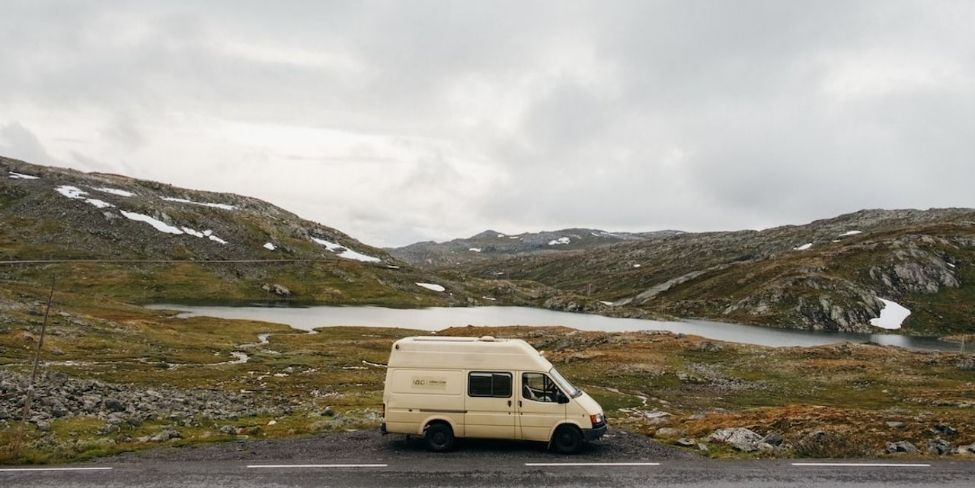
x=436, y=318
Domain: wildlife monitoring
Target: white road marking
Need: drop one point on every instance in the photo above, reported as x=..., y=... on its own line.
x=867, y=465
x=298, y=466
x=54, y=469
x=592, y=464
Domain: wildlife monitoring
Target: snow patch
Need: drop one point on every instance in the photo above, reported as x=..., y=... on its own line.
x=950, y=265
x=192, y=232
x=489, y=298
x=157, y=224
x=269, y=246
x=431, y=286
x=513, y=237
x=21, y=176
x=610, y=304
x=345, y=252
x=75, y=193
x=223, y=206
x=851, y=233
x=216, y=239
x=636, y=265
x=559, y=241
x=804, y=247
x=500, y=236
x=891, y=316
x=115, y=191
x=475, y=249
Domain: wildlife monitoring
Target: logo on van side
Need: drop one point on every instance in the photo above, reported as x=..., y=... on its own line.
x=430, y=382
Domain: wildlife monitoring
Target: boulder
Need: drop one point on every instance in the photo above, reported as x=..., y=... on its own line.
x=894, y=424
x=939, y=447
x=666, y=433
x=904, y=447
x=739, y=438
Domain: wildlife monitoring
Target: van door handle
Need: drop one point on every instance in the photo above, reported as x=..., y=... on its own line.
x=509, y=403
x=519, y=403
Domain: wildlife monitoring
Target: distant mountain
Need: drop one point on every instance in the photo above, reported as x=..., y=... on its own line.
x=490, y=246
x=829, y=274
x=53, y=213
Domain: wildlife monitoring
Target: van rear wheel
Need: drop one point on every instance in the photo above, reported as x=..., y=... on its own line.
x=567, y=439
x=439, y=437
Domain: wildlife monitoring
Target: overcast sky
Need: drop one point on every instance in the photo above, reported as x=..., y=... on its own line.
x=407, y=120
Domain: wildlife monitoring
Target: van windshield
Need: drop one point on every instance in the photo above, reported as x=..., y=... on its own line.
x=564, y=384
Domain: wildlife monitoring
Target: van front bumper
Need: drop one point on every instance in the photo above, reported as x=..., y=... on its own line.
x=595, y=432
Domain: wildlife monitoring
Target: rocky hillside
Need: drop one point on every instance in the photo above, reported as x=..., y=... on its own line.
x=826, y=275
x=490, y=246
x=51, y=213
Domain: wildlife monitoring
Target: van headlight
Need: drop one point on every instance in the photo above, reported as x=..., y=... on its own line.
x=597, y=419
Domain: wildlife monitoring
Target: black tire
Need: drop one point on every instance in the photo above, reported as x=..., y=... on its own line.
x=439, y=437
x=567, y=439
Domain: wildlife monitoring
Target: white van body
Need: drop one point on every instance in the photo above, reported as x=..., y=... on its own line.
x=484, y=388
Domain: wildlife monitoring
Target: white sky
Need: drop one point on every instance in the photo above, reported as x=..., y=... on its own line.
x=414, y=120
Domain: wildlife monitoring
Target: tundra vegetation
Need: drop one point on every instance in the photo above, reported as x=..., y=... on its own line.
x=118, y=377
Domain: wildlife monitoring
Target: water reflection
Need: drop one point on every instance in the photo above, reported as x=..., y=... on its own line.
x=437, y=318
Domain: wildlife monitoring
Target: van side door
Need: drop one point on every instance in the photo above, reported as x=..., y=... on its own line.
x=490, y=405
x=541, y=406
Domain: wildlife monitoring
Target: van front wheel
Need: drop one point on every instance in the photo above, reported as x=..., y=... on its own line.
x=440, y=437
x=567, y=439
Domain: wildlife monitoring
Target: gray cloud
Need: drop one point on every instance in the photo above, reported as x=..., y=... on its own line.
x=397, y=121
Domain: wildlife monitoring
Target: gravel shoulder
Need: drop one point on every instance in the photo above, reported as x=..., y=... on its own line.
x=364, y=446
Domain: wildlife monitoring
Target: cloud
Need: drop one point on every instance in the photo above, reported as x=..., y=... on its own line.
x=397, y=121
x=19, y=142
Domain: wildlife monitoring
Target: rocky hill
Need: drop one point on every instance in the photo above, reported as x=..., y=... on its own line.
x=826, y=275
x=490, y=246
x=51, y=213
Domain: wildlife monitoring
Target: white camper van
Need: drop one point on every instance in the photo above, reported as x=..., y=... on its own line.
x=443, y=388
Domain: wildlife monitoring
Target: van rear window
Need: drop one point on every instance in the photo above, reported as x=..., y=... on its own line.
x=488, y=384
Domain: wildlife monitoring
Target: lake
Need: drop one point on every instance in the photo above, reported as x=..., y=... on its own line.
x=436, y=318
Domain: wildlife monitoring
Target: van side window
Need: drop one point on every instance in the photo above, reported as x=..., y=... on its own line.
x=485, y=384
x=538, y=387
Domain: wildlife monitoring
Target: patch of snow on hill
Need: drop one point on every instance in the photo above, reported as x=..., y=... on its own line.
x=21, y=176
x=345, y=252
x=157, y=224
x=475, y=249
x=851, y=233
x=115, y=191
x=490, y=298
x=950, y=265
x=269, y=246
x=804, y=247
x=891, y=316
x=431, y=286
x=75, y=193
x=500, y=236
x=192, y=232
x=609, y=304
x=216, y=239
x=636, y=265
x=559, y=241
x=223, y=206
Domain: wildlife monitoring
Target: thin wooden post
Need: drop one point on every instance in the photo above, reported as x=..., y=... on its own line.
x=33, y=372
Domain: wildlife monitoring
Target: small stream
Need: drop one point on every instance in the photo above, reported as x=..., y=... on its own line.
x=437, y=318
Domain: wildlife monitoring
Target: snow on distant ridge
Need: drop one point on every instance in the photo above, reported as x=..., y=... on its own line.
x=851, y=233
x=75, y=193
x=891, y=316
x=475, y=249
x=157, y=224
x=804, y=247
x=432, y=286
x=115, y=191
x=559, y=241
x=20, y=176
x=223, y=206
x=345, y=252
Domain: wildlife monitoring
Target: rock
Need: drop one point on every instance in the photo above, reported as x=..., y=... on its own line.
x=109, y=429
x=773, y=439
x=666, y=432
x=968, y=450
x=896, y=424
x=228, y=429
x=43, y=425
x=272, y=422
x=943, y=430
x=708, y=346
x=939, y=447
x=165, y=435
x=328, y=412
x=901, y=447
x=741, y=439
x=113, y=405
x=277, y=289
x=685, y=442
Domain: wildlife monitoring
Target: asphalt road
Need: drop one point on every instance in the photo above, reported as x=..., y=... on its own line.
x=365, y=459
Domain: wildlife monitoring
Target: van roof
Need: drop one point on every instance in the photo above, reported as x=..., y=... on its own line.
x=469, y=353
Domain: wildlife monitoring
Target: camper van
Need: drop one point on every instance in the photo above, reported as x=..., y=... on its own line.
x=443, y=388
